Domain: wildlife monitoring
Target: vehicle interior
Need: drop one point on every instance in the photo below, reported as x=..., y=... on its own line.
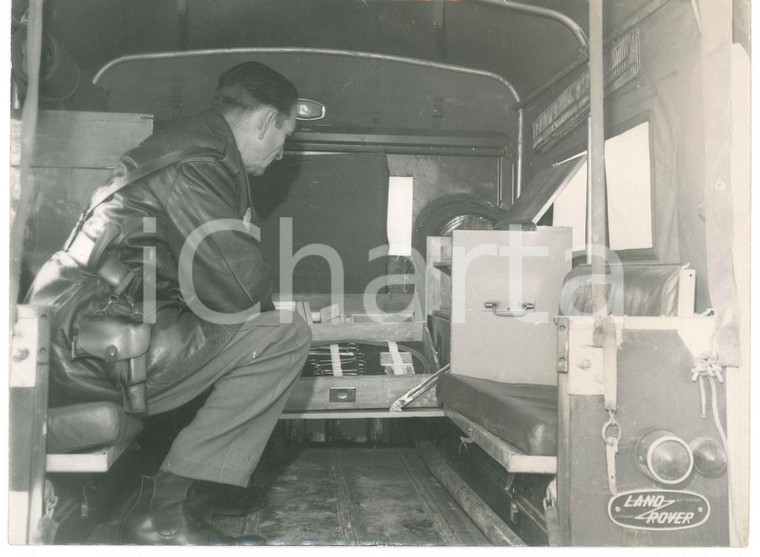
x=449, y=154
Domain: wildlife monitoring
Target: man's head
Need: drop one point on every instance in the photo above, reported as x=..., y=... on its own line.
x=259, y=105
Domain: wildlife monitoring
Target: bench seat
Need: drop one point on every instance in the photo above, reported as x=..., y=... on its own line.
x=523, y=415
x=89, y=425
x=88, y=437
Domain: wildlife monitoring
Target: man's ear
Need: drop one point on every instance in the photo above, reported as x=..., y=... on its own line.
x=268, y=118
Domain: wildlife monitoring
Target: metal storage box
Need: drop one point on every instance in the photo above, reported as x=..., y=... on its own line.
x=366, y=395
x=497, y=276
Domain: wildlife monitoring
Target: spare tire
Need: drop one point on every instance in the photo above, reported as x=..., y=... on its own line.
x=453, y=212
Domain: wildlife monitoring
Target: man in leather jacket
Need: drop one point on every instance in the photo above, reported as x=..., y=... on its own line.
x=180, y=204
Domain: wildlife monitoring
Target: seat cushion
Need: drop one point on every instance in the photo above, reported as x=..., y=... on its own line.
x=88, y=426
x=523, y=415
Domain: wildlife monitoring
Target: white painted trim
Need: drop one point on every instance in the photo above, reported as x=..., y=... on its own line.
x=96, y=461
x=25, y=344
x=687, y=292
x=18, y=504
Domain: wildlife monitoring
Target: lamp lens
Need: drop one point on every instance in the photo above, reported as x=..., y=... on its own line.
x=670, y=460
x=309, y=110
x=709, y=458
x=664, y=457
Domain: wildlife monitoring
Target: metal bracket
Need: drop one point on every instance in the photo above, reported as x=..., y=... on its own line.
x=563, y=343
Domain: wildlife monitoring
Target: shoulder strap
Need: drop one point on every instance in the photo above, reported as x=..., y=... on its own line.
x=141, y=172
x=154, y=165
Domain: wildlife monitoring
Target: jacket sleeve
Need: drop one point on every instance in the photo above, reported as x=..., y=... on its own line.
x=228, y=272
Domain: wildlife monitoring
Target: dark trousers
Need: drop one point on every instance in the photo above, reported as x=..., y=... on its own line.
x=252, y=378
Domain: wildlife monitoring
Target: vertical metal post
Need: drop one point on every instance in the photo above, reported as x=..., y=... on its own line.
x=597, y=183
x=716, y=27
x=182, y=24
x=28, y=127
x=28, y=382
x=520, y=154
x=500, y=182
x=589, y=200
x=719, y=231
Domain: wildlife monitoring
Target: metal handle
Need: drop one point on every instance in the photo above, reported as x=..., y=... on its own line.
x=342, y=394
x=526, y=307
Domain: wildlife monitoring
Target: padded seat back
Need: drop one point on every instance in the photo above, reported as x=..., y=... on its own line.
x=90, y=425
x=647, y=289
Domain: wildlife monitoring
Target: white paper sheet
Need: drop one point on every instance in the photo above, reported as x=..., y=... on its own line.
x=399, y=224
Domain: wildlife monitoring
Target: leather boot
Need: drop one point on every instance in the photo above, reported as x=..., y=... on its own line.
x=210, y=499
x=160, y=516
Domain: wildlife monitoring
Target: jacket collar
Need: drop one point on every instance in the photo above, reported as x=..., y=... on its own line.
x=217, y=125
x=232, y=160
x=207, y=130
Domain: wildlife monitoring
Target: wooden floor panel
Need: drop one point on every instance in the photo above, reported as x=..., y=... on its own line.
x=303, y=507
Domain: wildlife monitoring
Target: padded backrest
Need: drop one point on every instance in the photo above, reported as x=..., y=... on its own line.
x=641, y=289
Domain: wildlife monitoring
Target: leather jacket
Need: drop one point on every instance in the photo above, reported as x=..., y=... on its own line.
x=228, y=272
